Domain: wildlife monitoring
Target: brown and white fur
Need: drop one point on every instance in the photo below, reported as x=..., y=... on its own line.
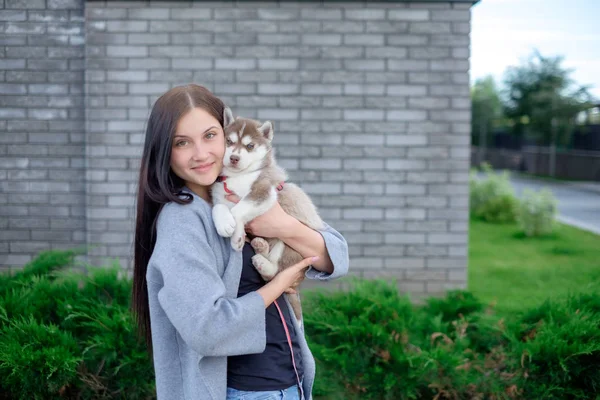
x=253, y=175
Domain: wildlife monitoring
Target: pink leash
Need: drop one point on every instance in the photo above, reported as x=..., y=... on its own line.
x=289, y=340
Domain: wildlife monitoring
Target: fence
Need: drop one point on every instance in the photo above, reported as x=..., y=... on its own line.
x=572, y=164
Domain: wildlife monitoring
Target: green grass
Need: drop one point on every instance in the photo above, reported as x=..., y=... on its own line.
x=517, y=272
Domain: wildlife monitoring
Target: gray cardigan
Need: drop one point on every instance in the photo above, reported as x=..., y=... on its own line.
x=196, y=318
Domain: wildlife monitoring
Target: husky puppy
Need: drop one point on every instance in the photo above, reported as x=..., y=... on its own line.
x=251, y=172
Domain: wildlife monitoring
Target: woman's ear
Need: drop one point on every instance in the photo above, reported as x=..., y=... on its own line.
x=227, y=116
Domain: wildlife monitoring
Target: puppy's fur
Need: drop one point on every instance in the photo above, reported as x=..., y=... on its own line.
x=251, y=172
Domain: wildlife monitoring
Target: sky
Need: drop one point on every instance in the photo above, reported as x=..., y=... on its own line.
x=504, y=32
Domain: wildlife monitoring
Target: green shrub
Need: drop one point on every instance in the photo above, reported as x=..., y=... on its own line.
x=492, y=197
x=376, y=345
x=537, y=211
x=69, y=335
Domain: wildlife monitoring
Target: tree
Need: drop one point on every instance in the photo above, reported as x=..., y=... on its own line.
x=486, y=111
x=542, y=100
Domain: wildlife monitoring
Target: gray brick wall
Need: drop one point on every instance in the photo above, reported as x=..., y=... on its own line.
x=370, y=104
x=42, y=147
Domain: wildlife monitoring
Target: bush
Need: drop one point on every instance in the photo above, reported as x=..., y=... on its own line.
x=492, y=198
x=69, y=335
x=537, y=211
x=374, y=344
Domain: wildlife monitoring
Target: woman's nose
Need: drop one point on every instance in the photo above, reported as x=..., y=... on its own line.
x=200, y=152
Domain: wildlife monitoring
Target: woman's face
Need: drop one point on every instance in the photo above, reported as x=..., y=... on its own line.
x=198, y=149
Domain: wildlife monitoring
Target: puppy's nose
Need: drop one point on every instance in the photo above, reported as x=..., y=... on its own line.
x=234, y=159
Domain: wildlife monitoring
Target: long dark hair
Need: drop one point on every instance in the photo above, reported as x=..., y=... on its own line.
x=158, y=184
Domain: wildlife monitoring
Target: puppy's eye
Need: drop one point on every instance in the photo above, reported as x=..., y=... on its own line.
x=229, y=142
x=250, y=146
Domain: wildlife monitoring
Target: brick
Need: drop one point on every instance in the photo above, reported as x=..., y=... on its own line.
x=265, y=64
x=384, y=251
x=320, y=114
x=191, y=13
x=322, y=39
x=10, y=15
x=364, y=39
x=237, y=64
x=429, y=103
x=406, y=115
x=407, y=40
x=364, y=115
x=449, y=40
x=320, y=14
x=126, y=51
x=148, y=13
x=278, y=114
x=430, y=28
x=64, y=4
x=363, y=164
x=426, y=251
x=426, y=226
x=447, y=262
x=191, y=63
x=30, y=28
x=405, y=213
x=451, y=15
x=364, y=14
x=65, y=29
x=386, y=52
x=450, y=65
x=365, y=65
x=458, y=251
x=7, y=64
x=407, y=65
x=321, y=89
x=366, y=262
x=278, y=14
x=363, y=213
x=409, y=15
x=320, y=164
x=405, y=165
x=429, y=52
x=342, y=52
x=404, y=238
x=338, y=27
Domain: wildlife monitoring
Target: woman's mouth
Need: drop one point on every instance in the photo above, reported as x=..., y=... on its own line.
x=204, y=167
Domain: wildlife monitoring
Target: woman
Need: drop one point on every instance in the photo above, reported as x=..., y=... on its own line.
x=214, y=328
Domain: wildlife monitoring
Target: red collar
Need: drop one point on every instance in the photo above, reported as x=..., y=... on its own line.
x=222, y=178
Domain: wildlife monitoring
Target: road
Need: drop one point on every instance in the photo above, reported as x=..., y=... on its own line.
x=578, y=204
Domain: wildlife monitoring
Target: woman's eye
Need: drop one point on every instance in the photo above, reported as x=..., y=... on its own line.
x=211, y=135
x=181, y=142
x=250, y=146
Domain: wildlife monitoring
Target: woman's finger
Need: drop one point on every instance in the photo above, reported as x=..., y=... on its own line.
x=307, y=262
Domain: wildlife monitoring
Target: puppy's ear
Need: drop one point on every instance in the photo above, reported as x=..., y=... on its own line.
x=227, y=116
x=267, y=130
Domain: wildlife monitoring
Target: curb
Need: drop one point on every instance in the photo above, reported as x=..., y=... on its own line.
x=578, y=224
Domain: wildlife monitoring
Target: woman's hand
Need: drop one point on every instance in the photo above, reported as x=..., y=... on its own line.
x=284, y=280
x=273, y=223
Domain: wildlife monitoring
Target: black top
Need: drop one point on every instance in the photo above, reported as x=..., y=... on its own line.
x=272, y=369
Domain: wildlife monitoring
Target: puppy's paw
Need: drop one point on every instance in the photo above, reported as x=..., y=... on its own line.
x=260, y=245
x=224, y=221
x=237, y=240
x=265, y=268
